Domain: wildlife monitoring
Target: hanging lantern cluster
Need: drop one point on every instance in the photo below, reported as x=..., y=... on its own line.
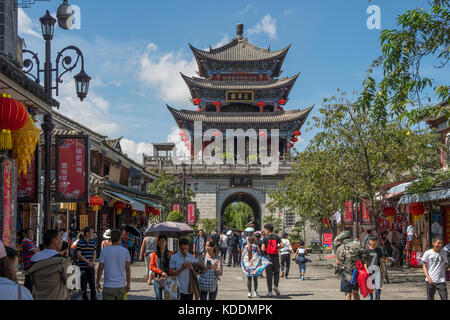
x=24, y=145
x=152, y=211
x=217, y=104
x=417, y=209
x=297, y=133
x=282, y=102
x=95, y=202
x=119, y=206
x=389, y=212
x=13, y=116
x=294, y=139
x=197, y=101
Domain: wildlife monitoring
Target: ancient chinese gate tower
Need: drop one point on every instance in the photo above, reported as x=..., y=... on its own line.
x=238, y=87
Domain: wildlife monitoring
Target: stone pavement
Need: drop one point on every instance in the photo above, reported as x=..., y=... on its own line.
x=320, y=284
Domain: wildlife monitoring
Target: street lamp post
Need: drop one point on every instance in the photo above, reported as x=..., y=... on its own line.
x=184, y=180
x=82, y=81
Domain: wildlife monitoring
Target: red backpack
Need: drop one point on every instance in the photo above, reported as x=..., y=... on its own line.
x=272, y=247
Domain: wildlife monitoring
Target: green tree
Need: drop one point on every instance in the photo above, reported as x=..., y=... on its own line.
x=209, y=224
x=165, y=187
x=275, y=221
x=351, y=158
x=175, y=216
x=420, y=40
x=237, y=215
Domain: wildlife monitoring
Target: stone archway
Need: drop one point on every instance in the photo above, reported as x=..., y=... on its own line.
x=245, y=195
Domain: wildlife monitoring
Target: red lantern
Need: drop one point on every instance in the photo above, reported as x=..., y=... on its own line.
x=96, y=201
x=217, y=133
x=262, y=134
x=183, y=138
x=217, y=104
x=389, y=211
x=282, y=102
x=261, y=104
x=291, y=145
x=294, y=139
x=297, y=133
x=416, y=210
x=156, y=212
x=13, y=116
x=119, y=206
x=197, y=101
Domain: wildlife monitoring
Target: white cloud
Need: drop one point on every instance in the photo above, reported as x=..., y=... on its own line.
x=174, y=137
x=267, y=25
x=289, y=12
x=26, y=25
x=244, y=11
x=163, y=74
x=225, y=39
x=135, y=150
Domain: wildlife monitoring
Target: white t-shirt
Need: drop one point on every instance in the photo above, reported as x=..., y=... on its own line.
x=435, y=263
x=10, y=291
x=410, y=230
x=114, y=259
x=287, y=246
x=223, y=241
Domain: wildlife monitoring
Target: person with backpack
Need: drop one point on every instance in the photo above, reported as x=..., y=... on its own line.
x=348, y=252
x=300, y=259
x=270, y=246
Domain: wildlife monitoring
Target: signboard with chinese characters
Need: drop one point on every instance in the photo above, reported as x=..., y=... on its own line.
x=176, y=206
x=328, y=240
x=72, y=168
x=241, y=181
x=84, y=221
x=190, y=209
x=348, y=215
x=27, y=184
x=365, y=215
x=7, y=205
x=239, y=96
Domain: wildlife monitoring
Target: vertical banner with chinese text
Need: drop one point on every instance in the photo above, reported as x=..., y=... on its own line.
x=72, y=168
x=7, y=202
x=348, y=214
x=365, y=214
x=27, y=184
x=191, y=206
x=176, y=206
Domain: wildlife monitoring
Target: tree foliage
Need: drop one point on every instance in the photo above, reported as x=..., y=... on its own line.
x=422, y=38
x=209, y=224
x=175, y=216
x=237, y=215
x=351, y=158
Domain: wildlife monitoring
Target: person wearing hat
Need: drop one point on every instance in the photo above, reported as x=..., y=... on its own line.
x=107, y=241
x=9, y=288
x=374, y=265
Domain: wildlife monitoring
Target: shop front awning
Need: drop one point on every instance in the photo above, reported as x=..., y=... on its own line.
x=135, y=204
x=150, y=203
x=441, y=194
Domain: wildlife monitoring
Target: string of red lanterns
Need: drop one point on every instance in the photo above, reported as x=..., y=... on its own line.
x=197, y=101
x=282, y=102
x=217, y=104
x=13, y=116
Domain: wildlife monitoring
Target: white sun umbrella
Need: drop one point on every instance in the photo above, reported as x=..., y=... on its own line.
x=249, y=229
x=229, y=232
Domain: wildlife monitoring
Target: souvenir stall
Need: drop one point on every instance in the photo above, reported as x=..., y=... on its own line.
x=417, y=232
x=394, y=221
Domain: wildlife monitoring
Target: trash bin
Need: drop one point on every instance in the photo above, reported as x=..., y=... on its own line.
x=315, y=246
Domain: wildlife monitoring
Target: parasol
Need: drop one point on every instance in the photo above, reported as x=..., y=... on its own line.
x=133, y=230
x=168, y=229
x=249, y=229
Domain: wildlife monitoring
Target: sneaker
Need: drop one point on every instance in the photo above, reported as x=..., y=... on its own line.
x=300, y=276
x=255, y=294
x=286, y=277
x=277, y=291
x=249, y=295
x=269, y=294
x=303, y=278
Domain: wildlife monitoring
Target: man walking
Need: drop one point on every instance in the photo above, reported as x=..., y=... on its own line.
x=233, y=245
x=374, y=265
x=28, y=250
x=48, y=269
x=181, y=265
x=223, y=246
x=147, y=248
x=199, y=248
x=435, y=263
x=270, y=246
x=86, y=255
x=115, y=260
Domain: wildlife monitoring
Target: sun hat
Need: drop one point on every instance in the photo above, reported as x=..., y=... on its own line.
x=107, y=234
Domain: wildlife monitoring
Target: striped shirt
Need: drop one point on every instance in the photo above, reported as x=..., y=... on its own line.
x=87, y=251
x=27, y=252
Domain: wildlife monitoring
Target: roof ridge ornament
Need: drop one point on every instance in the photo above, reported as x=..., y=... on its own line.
x=239, y=30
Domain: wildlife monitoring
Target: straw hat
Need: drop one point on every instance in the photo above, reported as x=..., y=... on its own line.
x=107, y=234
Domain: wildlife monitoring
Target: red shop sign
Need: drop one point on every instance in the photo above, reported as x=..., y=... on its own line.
x=191, y=212
x=72, y=168
x=6, y=213
x=348, y=215
x=328, y=240
x=176, y=206
x=365, y=215
x=27, y=191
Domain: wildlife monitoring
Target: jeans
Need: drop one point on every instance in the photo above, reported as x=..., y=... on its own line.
x=88, y=276
x=233, y=256
x=441, y=288
x=249, y=283
x=273, y=272
x=158, y=290
x=377, y=295
x=212, y=295
x=223, y=253
x=186, y=297
x=286, y=260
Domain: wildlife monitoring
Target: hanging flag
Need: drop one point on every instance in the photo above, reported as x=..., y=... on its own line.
x=337, y=217
x=348, y=216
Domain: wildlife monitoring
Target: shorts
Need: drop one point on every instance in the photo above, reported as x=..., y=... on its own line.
x=302, y=267
x=347, y=287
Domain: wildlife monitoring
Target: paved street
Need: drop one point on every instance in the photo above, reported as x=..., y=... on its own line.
x=320, y=284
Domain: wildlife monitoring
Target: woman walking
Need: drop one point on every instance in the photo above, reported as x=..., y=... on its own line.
x=159, y=264
x=214, y=269
x=285, y=255
x=253, y=264
x=300, y=259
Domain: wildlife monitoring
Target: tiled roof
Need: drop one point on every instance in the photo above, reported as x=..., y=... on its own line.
x=115, y=143
x=240, y=117
x=239, y=85
x=239, y=50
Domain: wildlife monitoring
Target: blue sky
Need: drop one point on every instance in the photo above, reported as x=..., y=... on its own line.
x=135, y=50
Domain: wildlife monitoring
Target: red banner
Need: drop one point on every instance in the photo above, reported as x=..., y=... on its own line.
x=176, y=206
x=7, y=201
x=447, y=228
x=365, y=215
x=348, y=215
x=72, y=171
x=191, y=212
x=328, y=240
x=27, y=184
